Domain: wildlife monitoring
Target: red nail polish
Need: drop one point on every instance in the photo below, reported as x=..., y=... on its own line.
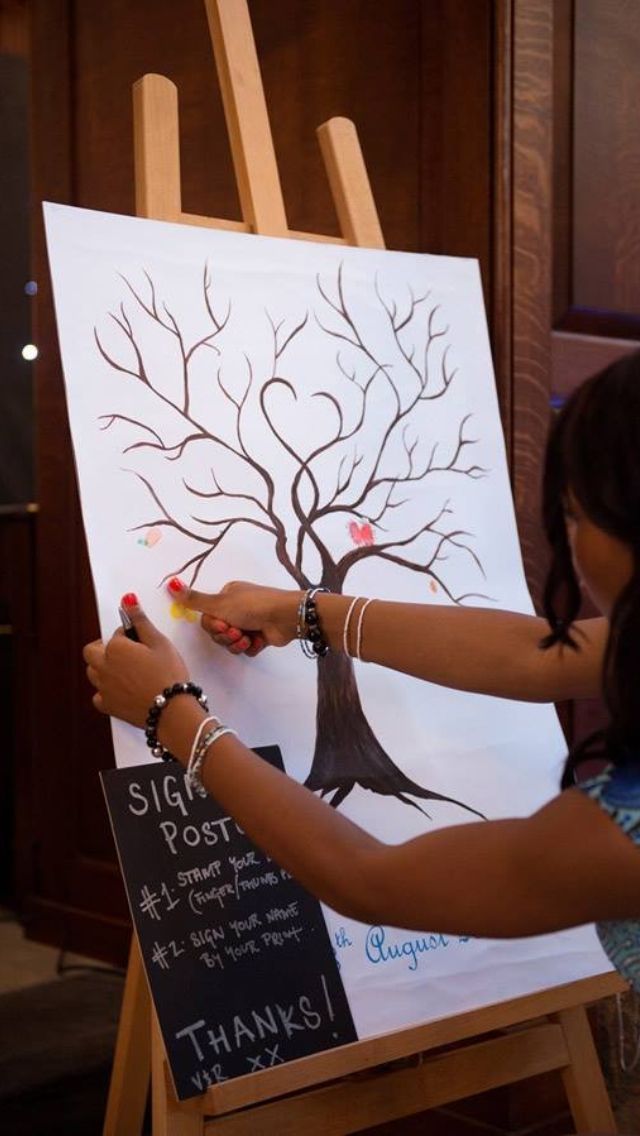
x=130, y=600
x=175, y=585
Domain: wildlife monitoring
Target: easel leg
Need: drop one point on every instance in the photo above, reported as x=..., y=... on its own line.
x=583, y=1080
x=132, y=1059
x=170, y=1117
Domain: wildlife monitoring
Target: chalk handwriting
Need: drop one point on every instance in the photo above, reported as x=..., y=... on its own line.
x=164, y=954
x=272, y=1020
x=210, y=832
x=207, y=936
x=172, y=792
x=282, y=914
x=212, y=960
x=210, y=871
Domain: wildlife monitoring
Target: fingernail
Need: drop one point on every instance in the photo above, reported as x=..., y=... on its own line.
x=176, y=585
x=234, y=633
x=130, y=600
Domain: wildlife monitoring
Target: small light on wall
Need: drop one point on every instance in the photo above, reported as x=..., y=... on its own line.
x=31, y=288
x=29, y=352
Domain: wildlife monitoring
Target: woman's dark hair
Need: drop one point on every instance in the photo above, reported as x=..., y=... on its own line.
x=594, y=452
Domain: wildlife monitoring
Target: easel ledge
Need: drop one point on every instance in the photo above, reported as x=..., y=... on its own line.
x=346, y=1089
x=549, y=1052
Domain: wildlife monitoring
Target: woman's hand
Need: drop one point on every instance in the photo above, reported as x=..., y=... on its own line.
x=127, y=675
x=243, y=617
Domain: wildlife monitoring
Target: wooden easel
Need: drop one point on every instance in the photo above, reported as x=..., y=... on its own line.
x=529, y=1035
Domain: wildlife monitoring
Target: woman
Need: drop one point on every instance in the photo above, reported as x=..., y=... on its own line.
x=574, y=861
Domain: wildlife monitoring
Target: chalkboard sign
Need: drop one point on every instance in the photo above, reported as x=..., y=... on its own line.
x=238, y=957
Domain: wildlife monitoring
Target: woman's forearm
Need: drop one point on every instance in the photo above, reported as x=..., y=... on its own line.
x=304, y=835
x=474, y=649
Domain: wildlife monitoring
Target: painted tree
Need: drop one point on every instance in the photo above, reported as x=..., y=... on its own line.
x=361, y=463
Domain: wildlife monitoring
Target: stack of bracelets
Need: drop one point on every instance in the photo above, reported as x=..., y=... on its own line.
x=209, y=731
x=312, y=641
x=314, y=646
x=156, y=708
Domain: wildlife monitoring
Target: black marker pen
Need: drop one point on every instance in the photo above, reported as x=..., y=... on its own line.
x=129, y=629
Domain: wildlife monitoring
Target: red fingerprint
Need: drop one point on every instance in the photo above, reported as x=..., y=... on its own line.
x=361, y=534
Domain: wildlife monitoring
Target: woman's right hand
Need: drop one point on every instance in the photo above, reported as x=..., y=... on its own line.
x=243, y=617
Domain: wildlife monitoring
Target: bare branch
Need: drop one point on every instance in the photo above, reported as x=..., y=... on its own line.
x=200, y=558
x=402, y=562
x=206, y=285
x=280, y=348
x=112, y=418
x=339, y=307
x=392, y=312
x=166, y=517
x=476, y=472
x=222, y=494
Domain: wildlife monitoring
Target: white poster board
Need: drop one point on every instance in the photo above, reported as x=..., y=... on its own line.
x=246, y=407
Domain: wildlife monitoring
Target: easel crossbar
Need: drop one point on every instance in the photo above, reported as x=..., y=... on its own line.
x=348, y=1105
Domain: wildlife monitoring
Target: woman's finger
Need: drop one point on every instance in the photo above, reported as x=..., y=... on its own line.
x=212, y=624
x=146, y=631
x=240, y=646
x=199, y=601
x=222, y=640
x=189, y=597
x=221, y=632
x=93, y=652
x=256, y=645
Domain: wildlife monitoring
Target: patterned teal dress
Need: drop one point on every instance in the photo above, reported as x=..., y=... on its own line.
x=617, y=791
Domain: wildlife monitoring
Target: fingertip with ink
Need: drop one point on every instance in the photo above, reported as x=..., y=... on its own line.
x=130, y=599
x=176, y=586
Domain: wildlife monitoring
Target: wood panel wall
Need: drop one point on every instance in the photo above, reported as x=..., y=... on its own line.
x=596, y=176
x=14, y=28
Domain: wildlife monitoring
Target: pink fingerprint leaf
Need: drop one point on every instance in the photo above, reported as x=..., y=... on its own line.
x=361, y=534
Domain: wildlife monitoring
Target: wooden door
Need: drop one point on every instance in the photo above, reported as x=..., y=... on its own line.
x=596, y=188
x=596, y=170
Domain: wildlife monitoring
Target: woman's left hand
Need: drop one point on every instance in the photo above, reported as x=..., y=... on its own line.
x=128, y=675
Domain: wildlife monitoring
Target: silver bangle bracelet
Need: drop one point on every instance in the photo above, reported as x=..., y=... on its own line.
x=200, y=750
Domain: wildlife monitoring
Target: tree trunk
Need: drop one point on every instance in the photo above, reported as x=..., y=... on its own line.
x=347, y=752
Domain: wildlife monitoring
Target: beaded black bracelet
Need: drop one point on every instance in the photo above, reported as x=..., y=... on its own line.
x=156, y=708
x=312, y=641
